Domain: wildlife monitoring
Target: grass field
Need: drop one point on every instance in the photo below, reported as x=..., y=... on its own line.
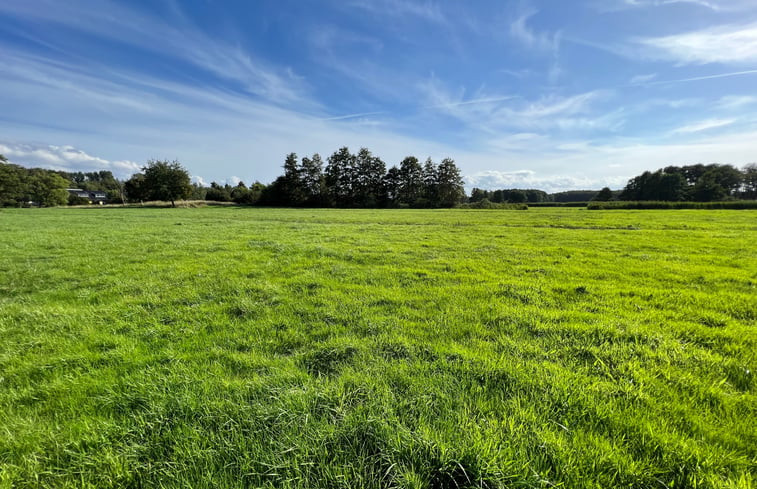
x=238, y=347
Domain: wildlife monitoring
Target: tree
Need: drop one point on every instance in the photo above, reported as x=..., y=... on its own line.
x=430, y=182
x=392, y=186
x=218, y=193
x=604, y=195
x=339, y=177
x=293, y=188
x=13, y=183
x=411, y=186
x=708, y=189
x=727, y=176
x=47, y=188
x=313, y=183
x=660, y=185
x=368, y=179
x=135, y=188
x=517, y=196
x=164, y=180
x=449, y=184
x=750, y=181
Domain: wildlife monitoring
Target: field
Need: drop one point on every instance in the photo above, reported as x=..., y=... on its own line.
x=240, y=347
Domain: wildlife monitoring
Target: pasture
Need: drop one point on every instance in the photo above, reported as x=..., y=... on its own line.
x=246, y=347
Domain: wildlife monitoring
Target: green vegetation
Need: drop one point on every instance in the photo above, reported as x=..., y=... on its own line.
x=246, y=347
x=728, y=204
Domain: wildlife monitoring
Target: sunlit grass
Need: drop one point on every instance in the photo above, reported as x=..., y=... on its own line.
x=237, y=347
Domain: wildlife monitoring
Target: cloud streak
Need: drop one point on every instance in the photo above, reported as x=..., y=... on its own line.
x=119, y=23
x=703, y=126
x=725, y=44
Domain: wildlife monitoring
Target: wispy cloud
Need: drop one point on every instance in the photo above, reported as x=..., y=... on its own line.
x=526, y=35
x=703, y=126
x=725, y=44
x=715, y=5
x=642, y=79
x=423, y=9
x=492, y=113
x=120, y=23
x=705, y=77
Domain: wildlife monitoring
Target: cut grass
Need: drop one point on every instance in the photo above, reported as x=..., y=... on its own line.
x=228, y=347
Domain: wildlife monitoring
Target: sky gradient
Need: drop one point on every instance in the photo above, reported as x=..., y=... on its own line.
x=538, y=94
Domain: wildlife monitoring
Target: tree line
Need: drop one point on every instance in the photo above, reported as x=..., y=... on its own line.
x=694, y=183
x=359, y=180
x=19, y=186
x=363, y=180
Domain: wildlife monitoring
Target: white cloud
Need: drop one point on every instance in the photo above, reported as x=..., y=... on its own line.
x=731, y=102
x=703, y=126
x=725, y=44
x=527, y=179
x=65, y=158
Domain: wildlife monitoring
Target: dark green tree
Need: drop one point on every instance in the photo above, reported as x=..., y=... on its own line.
x=477, y=195
x=47, y=188
x=369, y=171
x=166, y=180
x=313, y=181
x=135, y=188
x=604, y=195
x=13, y=183
x=392, y=186
x=339, y=177
x=411, y=186
x=218, y=193
x=749, y=188
x=430, y=183
x=293, y=185
x=449, y=184
x=708, y=188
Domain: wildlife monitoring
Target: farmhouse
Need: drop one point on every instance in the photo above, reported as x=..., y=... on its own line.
x=93, y=196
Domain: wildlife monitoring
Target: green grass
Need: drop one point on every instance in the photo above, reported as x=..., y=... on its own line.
x=238, y=347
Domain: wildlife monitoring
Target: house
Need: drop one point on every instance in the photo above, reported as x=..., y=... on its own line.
x=93, y=196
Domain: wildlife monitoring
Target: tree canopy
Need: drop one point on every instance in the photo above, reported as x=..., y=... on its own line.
x=362, y=180
x=160, y=180
x=702, y=183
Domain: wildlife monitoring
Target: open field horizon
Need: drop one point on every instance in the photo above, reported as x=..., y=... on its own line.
x=255, y=347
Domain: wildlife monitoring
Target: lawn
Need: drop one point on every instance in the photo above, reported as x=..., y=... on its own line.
x=245, y=347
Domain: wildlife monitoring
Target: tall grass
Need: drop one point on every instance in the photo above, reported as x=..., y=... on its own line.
x=241, y=347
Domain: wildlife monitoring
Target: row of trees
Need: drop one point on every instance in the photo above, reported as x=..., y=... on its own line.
x=359, y=180
x=362, y=180
x=515, y=196
x=700, y=183
x=20, y=186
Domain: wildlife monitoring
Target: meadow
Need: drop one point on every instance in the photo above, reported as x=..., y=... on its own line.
x=246, y=347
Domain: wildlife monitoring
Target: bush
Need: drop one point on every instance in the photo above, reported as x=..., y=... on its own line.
x=733, y=204
x=487, y=204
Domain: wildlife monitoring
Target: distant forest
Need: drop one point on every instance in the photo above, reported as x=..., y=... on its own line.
x=359, y=180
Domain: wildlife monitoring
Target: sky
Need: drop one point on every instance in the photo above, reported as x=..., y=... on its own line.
x=547, y=94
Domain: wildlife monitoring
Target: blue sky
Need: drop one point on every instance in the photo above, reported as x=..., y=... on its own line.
x=547, y=94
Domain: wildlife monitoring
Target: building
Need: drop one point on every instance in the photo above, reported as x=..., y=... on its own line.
x=92, y=196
